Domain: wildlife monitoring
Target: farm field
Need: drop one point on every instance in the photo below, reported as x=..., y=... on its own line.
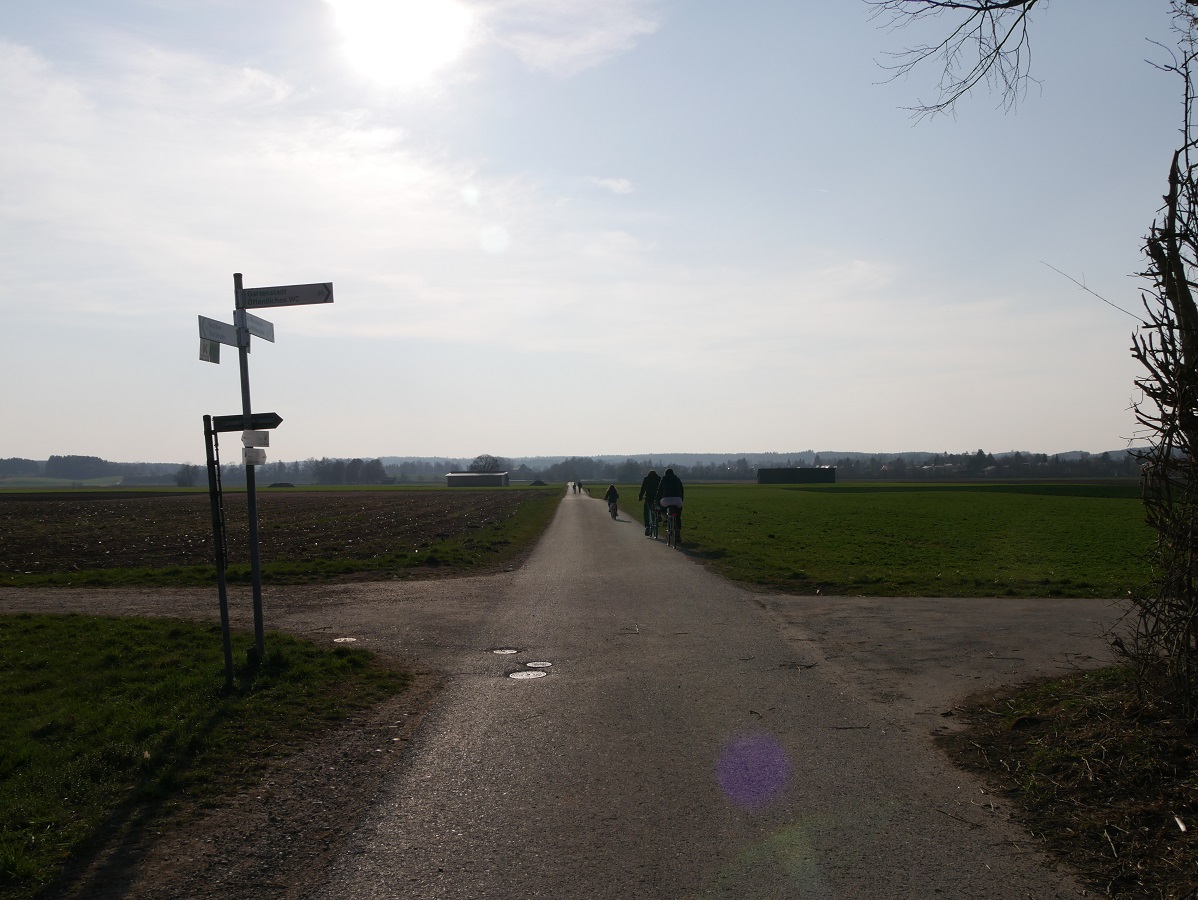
x=943, y=540
x=1026, y=540
x=164, y=537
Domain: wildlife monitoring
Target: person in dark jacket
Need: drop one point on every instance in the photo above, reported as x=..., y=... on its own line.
x=649, y=495
x=612, y=497
x=669, y=493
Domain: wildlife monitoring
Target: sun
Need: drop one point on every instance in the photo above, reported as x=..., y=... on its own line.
x=402, y=43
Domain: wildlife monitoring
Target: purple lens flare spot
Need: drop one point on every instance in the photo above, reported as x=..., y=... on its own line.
x=753, y=771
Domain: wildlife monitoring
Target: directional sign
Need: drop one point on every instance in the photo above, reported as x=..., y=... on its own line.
x=258, y=422
x=221, y=332
x=260, y=328
x=288, y=295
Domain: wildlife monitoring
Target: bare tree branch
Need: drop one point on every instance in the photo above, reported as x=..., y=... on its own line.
x=990, y=43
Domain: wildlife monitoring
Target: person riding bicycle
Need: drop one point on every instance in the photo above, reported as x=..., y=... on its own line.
x=649, y=495
x=611, y=497
x=669, y=495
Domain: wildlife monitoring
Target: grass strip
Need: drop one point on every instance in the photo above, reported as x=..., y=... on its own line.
x=102, y=714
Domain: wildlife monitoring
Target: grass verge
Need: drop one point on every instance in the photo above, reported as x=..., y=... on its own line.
x=1105, y=779
x=124, y=718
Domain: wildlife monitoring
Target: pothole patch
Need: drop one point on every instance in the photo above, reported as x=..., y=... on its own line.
x=539, y=665
x=344, y=640
x=504, y=651
x=525, y=674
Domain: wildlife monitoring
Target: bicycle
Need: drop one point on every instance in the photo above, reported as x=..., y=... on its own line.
x=673, y=528
x=653, y=517
x=611, y=508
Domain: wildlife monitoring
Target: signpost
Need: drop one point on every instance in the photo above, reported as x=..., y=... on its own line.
x=258, y=422
x=255, y=427
x=287, y=295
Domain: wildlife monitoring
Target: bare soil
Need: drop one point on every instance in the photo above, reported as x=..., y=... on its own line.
x=47, y=533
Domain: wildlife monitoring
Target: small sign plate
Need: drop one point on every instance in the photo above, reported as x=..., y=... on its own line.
x=260, y=328
x=209, y=351
x=258, y=422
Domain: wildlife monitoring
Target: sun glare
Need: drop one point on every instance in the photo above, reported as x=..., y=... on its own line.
x=402, y=43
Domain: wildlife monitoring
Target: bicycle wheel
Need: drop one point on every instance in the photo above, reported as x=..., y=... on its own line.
x=653, y=524
x=671, y=534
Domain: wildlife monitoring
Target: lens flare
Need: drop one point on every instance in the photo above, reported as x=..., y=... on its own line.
x=753, y=771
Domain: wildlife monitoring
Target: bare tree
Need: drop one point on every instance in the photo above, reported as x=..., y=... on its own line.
x=1165, y=637
x=988, y=43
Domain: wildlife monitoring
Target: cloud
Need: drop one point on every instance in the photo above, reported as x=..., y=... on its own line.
x=615, y=185
x=565, y=37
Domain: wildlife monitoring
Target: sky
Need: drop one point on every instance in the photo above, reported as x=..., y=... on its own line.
x=560, y=227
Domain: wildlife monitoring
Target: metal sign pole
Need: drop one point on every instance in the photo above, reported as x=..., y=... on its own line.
x=218, y=538
x=253, y=427
x=251, y=493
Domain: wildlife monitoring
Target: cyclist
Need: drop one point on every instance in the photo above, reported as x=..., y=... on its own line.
x=649, y=495
x=612, y=496
x=669, y=494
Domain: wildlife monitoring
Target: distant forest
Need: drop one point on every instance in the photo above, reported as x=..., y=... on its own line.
x=917, y=466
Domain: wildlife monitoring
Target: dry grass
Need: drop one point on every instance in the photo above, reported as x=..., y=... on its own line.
x=1107, y=779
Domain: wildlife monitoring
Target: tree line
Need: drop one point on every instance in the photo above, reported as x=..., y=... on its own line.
x=337, y=471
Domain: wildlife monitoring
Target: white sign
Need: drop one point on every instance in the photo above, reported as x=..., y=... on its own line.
x=255, y=438
x=288, y=295
x=260, y=327
x=212, y=330
x=209, y=351
x=252, y=457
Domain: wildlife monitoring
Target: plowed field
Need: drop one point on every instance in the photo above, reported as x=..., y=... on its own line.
x=301, y=533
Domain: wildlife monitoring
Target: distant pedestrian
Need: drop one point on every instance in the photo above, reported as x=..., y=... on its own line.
x=649, y=495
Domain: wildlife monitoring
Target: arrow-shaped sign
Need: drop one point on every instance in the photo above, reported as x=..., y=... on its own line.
x=288, y=295
x=258, y=422
x=260, y=328
x=221, y=332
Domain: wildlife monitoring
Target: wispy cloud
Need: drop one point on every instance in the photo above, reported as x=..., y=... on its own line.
x=615, y=185
x=565, y=37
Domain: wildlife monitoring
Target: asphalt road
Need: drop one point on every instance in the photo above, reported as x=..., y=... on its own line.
x=689, y=738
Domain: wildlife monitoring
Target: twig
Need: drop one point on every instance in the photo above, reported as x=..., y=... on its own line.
x=1095, y=293
x=958, y=818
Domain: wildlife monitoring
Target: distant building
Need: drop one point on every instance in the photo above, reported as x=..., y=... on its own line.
x=822, y=475
x=476, y=479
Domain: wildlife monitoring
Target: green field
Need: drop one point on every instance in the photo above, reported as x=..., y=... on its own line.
x=944, y=540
